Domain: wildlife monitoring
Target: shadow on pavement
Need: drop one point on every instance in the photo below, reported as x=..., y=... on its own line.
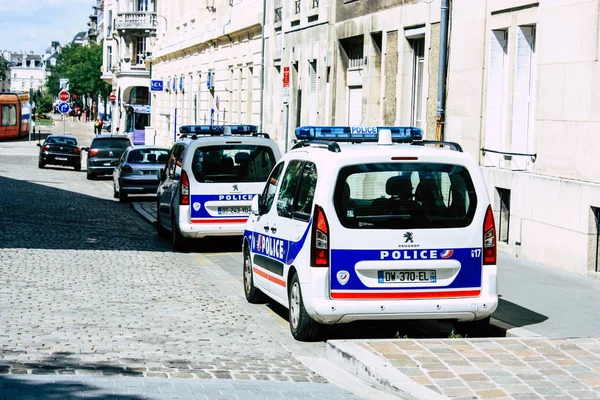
x=517, y=316
x=34, y=215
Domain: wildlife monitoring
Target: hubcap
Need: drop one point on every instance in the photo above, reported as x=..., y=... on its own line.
x=295, y=305
x=247, y=273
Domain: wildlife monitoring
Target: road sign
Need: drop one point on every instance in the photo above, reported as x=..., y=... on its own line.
x=156, y=86
x=64, y=95
x=286, y=77
x=112, y=97
x=64, y=84
x=63, y=107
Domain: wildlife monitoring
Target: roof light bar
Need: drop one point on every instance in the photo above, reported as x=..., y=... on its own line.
x=400, y=134
x=219, y=129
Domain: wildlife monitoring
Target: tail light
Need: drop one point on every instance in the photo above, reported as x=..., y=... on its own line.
x=76, y=150
x=46, y=147
x=489, y=238
x=184, y=198
x=93, y=152
x=320, y=239
x=127, y=169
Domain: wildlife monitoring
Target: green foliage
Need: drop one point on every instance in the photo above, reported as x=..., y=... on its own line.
x=82, y=66
x=3, y=68
x=456, y=335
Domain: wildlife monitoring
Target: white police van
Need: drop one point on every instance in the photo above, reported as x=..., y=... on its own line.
x=372, y=231
x=210, y=178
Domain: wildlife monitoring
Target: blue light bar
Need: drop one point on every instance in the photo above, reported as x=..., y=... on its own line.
x=218, y=129
x=400, y=134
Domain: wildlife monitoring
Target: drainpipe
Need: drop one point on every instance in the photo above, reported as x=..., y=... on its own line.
x=262, y=65
x=443, y=69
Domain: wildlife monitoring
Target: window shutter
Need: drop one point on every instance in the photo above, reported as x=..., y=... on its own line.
x=355, y=106
x=494, y=126
x=522, y=112
x=313, y=99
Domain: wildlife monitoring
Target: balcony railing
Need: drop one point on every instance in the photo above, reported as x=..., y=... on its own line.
x=136, y=21
x=297, y=7
x=278, y=15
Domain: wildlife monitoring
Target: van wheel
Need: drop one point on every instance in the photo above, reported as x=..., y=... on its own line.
x=123, y=197
x=179, y=242
x=115, y=193
x=302, y=326
x=159, y=228
x=253, y=294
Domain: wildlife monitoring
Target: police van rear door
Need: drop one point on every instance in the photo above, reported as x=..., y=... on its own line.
x=225, y=178
x=407, y=230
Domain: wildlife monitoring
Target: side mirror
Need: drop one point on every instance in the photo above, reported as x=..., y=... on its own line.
x=85, y=149
x=255, y=208
x=163, y=174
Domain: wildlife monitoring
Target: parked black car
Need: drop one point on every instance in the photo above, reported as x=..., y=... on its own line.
x=104, y=154
x=60, y=150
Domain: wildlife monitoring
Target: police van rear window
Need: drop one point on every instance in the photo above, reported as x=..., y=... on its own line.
x=232, y=163
x=405, y=196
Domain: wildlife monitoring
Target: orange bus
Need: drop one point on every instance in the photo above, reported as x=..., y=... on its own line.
x=15, y=115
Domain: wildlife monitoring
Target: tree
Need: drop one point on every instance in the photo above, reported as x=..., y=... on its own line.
x=3, y=68
x=81, y=65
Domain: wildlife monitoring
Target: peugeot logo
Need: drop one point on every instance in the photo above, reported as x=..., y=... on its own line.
x=61, y=148
x=408, y=237
x=110, y=153
x=235, y=188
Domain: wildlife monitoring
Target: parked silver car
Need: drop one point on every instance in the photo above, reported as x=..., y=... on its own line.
x=138, y=171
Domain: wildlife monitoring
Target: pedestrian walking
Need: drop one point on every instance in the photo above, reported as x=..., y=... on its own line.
x=78, y=113
x=98, y=125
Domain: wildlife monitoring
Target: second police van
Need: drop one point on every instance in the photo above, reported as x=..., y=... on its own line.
x=382, y=227
x=210, y=178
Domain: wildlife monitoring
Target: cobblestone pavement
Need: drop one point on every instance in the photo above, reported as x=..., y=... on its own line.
x=88, y=289
x=503, y=368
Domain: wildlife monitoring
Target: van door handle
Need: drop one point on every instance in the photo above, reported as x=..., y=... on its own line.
x=273, y=229
x=266, y=228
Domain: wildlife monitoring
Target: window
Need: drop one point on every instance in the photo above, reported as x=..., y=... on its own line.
x=405, y=196
x=109, y=51
x=355, y=105
x=306, y=192
x=174, y=163
x=522, y=116
x=495, y=127
x=278, y=15
x=140, y=50
x=148, y=156
x=232, y=163
x=418, y=46
x=355, y=54
x=297, y=7
x=142, y=6
x=503, y=205
x=9, y=115
x=287, y=191
x=268, y=193
x=109, y=27
x=596, y=238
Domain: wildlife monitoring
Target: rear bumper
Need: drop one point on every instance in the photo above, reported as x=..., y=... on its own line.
x=325, y=310
x=60, y=159
x=92, y=170
x=138, y=186
x=199, y=228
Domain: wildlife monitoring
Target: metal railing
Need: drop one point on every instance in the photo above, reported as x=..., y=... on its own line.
x=533, y=156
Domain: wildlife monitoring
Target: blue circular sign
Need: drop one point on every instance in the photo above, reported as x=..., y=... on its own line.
x=63, y=107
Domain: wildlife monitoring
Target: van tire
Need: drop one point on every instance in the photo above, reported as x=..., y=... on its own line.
x=302, y=326
x=179, y=242
x=253, y=294
x=160, y=230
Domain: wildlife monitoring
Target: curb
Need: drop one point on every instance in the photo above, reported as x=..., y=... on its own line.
x=139, y=208
x=376, y=370
x=512, y=331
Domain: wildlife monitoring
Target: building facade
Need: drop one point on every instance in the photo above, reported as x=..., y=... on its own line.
x=520, y=93
x=521, y=86
x=127, y=26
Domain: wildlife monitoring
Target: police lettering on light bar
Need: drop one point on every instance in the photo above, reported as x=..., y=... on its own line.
x=400, y=134
x=218, y=129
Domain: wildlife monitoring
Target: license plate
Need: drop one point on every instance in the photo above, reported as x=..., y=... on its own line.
x=61, y=158
x=152, y=172
x=407, y=276
x=234, y=210
x=107, y=163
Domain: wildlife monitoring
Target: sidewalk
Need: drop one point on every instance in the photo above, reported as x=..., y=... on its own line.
x=552, y=352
